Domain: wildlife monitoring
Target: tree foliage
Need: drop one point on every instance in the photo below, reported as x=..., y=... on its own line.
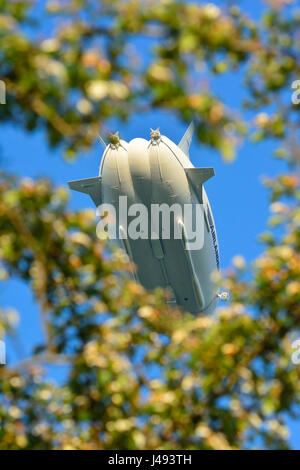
x=141, y=375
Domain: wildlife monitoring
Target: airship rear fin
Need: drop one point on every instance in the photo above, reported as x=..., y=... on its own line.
x=198, y=176
x=91, y=186
x=186, y=140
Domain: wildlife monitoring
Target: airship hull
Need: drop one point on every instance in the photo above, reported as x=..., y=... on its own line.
x=158, y=172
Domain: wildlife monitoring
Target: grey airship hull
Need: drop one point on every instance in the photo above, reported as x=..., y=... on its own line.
x=156, y=172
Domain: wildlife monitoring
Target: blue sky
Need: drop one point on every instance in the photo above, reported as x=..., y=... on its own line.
x=238, y=199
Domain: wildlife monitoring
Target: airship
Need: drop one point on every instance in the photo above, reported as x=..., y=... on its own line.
x=155, y=172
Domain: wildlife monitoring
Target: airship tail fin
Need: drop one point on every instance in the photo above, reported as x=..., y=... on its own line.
x=186, y=140
x=91, y=186
x=198, y=176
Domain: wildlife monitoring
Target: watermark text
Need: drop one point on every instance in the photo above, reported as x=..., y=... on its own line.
x=2, y=92
x=2, y=352
x=156, y=221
